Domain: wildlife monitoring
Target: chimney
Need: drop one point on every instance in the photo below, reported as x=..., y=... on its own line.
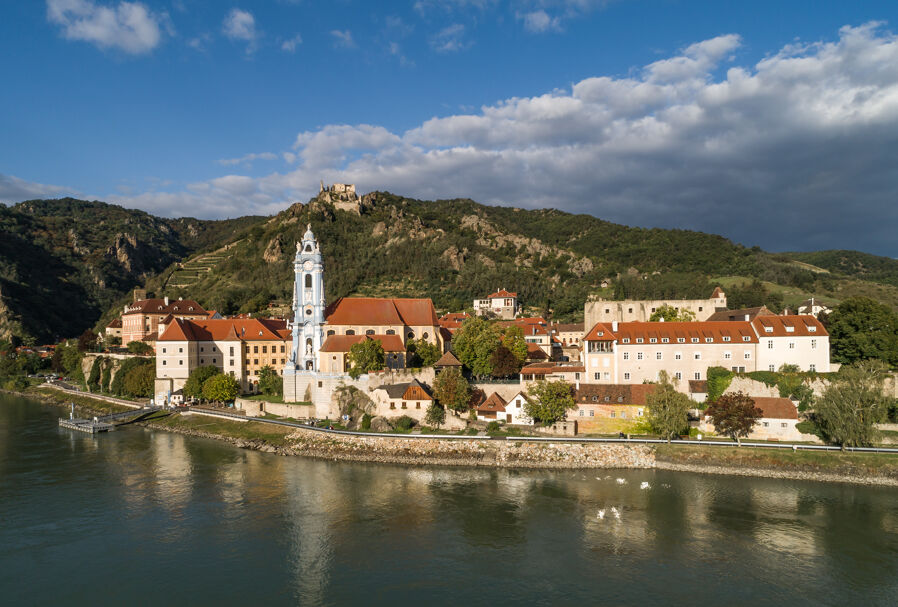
x=661, y=319
x=747, y=317
x=165, y=299
x=614, y=326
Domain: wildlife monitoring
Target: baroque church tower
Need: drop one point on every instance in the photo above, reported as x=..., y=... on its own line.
x=308, y=305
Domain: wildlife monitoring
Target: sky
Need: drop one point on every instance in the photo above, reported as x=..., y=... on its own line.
x=771, y=123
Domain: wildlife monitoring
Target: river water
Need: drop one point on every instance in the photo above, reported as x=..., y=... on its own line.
x=157, y=518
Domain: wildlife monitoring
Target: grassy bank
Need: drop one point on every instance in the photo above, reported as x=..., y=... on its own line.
x=187, y=424
x=827, y=462
x=97, y=406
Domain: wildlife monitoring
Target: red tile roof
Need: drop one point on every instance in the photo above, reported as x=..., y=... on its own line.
x=342, y=343
x=718, y=292
x=534, y=352
x=501, y=293
x=448, y=360
x=776, y=408
x=600, y=332
x=115, y=323
x=452, y=320
x=549, y=368
x=801, y=326
x=736, y=331
x=374, y=311
x=245, y=329
x=494, y=403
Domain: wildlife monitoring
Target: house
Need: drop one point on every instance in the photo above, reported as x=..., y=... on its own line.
x=778, y=420
x=492, y=409
x=791, y=340
x=610, y=408
x=569, y=372
x=813, y=307
x=501, y=304
x=141, y=318
x=698, y=390
x=569, y=336
x=410, y=398
x=332, y=358
x=515, y=410
x=452, y=321
x=114, y=328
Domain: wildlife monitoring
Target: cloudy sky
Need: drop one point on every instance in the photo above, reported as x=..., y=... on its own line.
x=772, y=123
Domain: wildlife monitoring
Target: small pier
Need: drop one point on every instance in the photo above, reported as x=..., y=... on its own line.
x=105, y=423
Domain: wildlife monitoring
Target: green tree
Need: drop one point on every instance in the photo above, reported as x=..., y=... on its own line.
x=87, y=340
x=117, y=386
x=549, y=401
x=862, y=329
x=504, y=363
x=671, y=314
x=365, y=356
x=221, y=388
x=850, y=406
x=513, y=340
x=421, y=353
x=193, y=387
x=667, y=409
x=270, y=383
x=106, y=375
x=140, y=348
x=474, y=344
x=452, y=390
x=139, y=381
x=734, y=415
x=435, y=416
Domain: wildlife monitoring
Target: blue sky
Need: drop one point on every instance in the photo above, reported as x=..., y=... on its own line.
x=773, y=123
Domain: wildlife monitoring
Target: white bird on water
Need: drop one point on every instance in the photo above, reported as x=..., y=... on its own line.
x=621, y=481
x=615, y=512
x=645, y=485
x=601, y=514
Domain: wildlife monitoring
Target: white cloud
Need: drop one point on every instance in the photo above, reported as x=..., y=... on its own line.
x=13, y=189
x=793, y=152
x=540, y=21
x=128, y=26
x=450, y=39
x=240, y=25
x=247, y=159
x=343, y=38
x=290, y=44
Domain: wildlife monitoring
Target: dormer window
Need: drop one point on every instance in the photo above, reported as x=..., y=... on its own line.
x=260, y=334
x=600, y=333
x=639, y=340
x=653, y=340
x=812, y=329
x=308, y=248
x=726, y=338
x=607, y=398
x=665, y=340
x=790, y=329
x=190, y=309
x=695, y=340
x=709, y=340
x=746, y=338
x=625, y=340
x=620, y=399
x=768, y=329
x=595, y=398
x=681, y=340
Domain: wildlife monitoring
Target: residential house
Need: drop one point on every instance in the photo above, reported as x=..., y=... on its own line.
x=777, y=422
x=492, y=409
x=610, y=408
x=501, y=304
x=395, y=400
x=141, y=318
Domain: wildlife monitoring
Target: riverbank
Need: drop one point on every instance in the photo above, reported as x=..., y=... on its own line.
x=860, y=468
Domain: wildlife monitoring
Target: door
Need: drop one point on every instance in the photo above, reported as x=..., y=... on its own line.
x=508, y=417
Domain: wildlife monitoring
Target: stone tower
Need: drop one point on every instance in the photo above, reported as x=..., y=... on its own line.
x=308, y=305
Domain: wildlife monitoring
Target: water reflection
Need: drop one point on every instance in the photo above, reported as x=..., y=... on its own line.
x=319, y=532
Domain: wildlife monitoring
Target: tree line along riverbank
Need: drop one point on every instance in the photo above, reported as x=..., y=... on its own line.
x=864, y=468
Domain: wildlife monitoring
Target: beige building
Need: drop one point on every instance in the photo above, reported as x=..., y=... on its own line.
x=407, y=319
x=333, y=356
x=609, y=408
x=409, y=398
x=570, y=338
x=632, y=310
x=501, y=304
x=638, y=351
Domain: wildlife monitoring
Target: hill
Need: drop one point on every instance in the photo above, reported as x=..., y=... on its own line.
x=66, y=265
x=64, y=262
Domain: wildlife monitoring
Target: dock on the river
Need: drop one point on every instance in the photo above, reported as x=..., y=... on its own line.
x=102, y=424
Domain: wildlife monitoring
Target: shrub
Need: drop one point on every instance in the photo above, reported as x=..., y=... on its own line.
x=493, y=427
x=719, y=380
x=366, y=422
x=404, y=423
x=139, y=381
x=140, y=347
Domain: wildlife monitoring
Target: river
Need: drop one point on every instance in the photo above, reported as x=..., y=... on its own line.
x=157, y=518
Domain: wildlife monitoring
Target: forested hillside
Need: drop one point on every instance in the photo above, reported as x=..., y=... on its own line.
x=66, y=265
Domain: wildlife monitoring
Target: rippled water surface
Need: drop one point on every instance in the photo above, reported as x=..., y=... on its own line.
x=159, y=518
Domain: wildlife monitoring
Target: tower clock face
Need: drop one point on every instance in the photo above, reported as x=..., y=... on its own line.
x=307, y=266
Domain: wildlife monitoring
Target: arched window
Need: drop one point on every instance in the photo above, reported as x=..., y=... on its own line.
x=411, y=335
x=369, y=332
x=425, y=336
x=308, y=281
x=331, y=332
x=350, y=332
x=391, y=332
x=308, y=248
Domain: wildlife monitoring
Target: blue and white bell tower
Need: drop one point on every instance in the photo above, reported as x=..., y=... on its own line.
x=308, y=305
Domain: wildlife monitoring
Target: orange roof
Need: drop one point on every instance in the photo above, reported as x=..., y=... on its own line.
x=375, y=311
x=718, y=292
x=452, y=320
x=607, y=394
x=223, y=329
x=493, y=403
x=717, y=332
x=802, y=326
x=775, y=407
x=342, y=343
x=115, y=323
x=534, y=352
x=501, y=293
x=549, y=368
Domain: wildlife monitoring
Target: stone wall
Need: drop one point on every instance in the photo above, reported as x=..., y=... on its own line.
x=258, y=408
x=505, y=453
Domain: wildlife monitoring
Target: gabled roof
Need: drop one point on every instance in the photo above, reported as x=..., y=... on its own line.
x=158, y=306
x=224, y=329
x=375, y=311
x=550, y=368
x=115, y=323
x=718, y=292
x=501, y=293
x=732, y=315
x=534, y=352
x=447, y=360
x=716, y=331
x=342, y=343
x=802, y=326
x=400, y=390
x=600, y=332
x=576, y=327
x=494, y=403
x=613, y=394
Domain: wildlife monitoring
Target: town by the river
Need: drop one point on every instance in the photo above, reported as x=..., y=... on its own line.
x=179, y=520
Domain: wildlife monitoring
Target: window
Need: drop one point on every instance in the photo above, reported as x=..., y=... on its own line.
x=426, y=335
x=369, y=332
x=180, y=362
x=607, y=398
x=639, y=412
x=790, y=329
x=665, y=340
x=694, y=340
x=626, y=376
x=255, y=361
x=678, y=375
x=653, y=340
x=770, y=344
x=783, y=425
x=331, y=332
x=768, y=329
x=681, y=340
x=639, y=340
x=404, y=406
x=727, y=355
x=231, y=362
x=180, y=350
x=612, y=414
x=518, y=403
x=308, y=281
x=657, y=355
x=746, y=338
x=214, y=349
x=264, y=349
x=726, y=338
x=678, y=356
x=639, y=356
x=697, y=356
x=698, y=375
x=163, y=350
x=626, y=356
x=582, y=413
x=766, y=424
x=812, y=329
x=255, y=349
x=625, y=340
x=629, y=310
x=623, y=414
x=202, y=361
x=163, y=363
x=791, y=345
x=709, y=340
x=607, y=375
x=417, y=405
x=350, y=332
x=201, y=348
x=812, y=367
x=747, y=356
x=772, y=368
x=232, y=350
x=596, y=376
x=813, y=345
x=592, y=413
x=577, y=376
